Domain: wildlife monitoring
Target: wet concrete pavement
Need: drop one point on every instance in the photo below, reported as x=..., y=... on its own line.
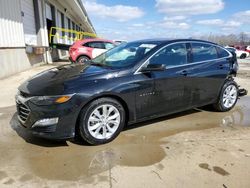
x=196, y=148
x=26, y=159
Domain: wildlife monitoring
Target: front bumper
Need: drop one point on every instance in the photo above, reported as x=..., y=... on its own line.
x=64, y=128
x=47, y=135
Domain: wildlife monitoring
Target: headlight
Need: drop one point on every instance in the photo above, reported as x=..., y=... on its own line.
x=49, y=100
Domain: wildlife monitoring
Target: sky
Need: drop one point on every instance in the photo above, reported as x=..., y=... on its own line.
x=138, y=19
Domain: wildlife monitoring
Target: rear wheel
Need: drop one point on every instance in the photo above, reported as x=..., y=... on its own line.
x=228, y=97
x=82, y=59
x=101, y=121
x=243, y=56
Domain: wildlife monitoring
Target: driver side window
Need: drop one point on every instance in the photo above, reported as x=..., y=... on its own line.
x=172, y=55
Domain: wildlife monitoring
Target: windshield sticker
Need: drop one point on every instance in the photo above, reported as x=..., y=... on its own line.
x=147, y=46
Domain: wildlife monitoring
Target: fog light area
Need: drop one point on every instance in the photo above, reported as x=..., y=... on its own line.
x=46, y=122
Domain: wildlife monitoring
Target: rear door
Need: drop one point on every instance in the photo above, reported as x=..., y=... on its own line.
x=97, y=48
x=208, y=73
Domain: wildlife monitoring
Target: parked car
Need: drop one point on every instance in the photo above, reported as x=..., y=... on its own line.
x=118, y=42
x=130, y=83
x=243, y=48
x=240, y=47
x=239, y=53
x=84, y=50
x=248, y=49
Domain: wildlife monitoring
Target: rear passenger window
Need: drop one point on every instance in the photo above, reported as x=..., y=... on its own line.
x=203, y=52
x=99, y=45
x=172, y=55
x=222, y=53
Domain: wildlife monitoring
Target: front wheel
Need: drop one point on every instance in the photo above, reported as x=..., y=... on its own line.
x=101, y=121
x=228, y=97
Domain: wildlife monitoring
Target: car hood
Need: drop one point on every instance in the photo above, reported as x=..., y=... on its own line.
x=56, y=80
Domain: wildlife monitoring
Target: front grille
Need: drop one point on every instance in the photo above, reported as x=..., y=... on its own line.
x=23, y=112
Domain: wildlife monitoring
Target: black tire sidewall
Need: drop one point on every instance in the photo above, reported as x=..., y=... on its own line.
x=82, y=57
x=85, y=114
x=221, y=106
x=243, y=56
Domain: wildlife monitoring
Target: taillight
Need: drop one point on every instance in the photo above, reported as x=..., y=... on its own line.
x=71, y=50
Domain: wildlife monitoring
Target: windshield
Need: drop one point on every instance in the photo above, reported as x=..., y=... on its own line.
x=124, y=55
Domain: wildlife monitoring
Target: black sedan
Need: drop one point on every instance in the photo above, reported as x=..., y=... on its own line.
x=132, y=82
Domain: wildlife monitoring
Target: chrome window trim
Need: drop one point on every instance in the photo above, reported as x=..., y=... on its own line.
x=193, y=63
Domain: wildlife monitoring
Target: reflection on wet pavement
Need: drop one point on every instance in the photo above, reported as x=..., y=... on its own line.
x=139, y=145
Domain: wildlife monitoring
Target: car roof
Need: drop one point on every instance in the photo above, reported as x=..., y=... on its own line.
x=94, y=39
x=166, y=40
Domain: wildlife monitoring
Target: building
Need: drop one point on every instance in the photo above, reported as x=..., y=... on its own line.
x=25, y=28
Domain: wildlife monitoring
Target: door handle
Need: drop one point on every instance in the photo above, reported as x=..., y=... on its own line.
x=184, y=73
x=221, y=66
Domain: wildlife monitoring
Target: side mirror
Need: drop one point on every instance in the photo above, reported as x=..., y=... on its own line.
x=153, y=67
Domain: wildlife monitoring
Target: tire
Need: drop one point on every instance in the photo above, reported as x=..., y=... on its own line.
x=82, y=59
x=93, y=121
x=228, y=96
x=243, y=56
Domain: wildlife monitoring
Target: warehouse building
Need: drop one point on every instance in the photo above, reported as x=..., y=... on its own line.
x=25, y=28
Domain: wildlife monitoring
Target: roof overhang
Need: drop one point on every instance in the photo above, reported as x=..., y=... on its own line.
x=79, y=11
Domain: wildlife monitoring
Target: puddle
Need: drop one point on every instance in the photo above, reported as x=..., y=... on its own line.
x=140, y=145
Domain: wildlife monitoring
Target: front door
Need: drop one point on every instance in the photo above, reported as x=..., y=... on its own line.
x=145, y=95
x=171, y=90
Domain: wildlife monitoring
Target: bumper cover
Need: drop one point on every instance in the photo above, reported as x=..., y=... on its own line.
x=47, y=135
x=66, y=113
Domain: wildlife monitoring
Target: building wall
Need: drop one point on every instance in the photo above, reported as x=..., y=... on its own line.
x=28, y=18
x=11, y=27
x=22, y=27
x=76, y=23
x=16, y=60
x=13, y=56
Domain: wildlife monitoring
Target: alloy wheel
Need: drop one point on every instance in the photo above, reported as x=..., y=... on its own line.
x=229, y=96
x=104, y=121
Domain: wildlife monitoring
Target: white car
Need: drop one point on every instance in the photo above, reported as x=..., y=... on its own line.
x=118, y=42
x=239, y=53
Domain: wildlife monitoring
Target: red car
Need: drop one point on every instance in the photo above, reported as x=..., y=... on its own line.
x=87, y=49
x=248, y=49
x=243, y=48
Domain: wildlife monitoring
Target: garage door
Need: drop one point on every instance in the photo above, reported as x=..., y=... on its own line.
x=29, y=26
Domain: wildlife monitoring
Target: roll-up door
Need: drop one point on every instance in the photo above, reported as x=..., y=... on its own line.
x=29, y=25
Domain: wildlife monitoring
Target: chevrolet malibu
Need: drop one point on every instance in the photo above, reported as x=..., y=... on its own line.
x=132, y=82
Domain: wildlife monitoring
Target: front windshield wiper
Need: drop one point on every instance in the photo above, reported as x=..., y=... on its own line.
x=99, y=64
x=90, y=62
